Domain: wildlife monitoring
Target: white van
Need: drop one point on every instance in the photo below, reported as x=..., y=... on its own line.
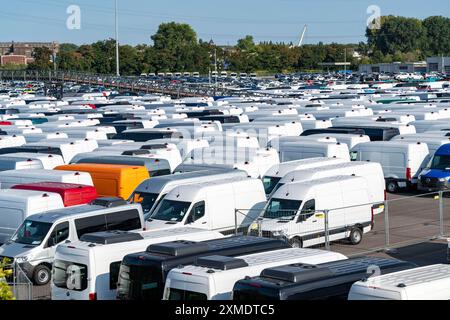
x=213, y=277
x=278, y=171
x=11, y=141
x=17, y=205
x=296, y=211
x=371, y=171
x=424, y=283
x=9, y=178
x=350, y=140
x=88, y=269
x=312, y=149
x=36, y=137
x=67, y=148
x=210, y=205
x=48, y=161
x=33, y=244
x=11, y=163
x=151, y=191
x=401, y=160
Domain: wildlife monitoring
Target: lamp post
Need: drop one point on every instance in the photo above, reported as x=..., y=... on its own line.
x=117, y=39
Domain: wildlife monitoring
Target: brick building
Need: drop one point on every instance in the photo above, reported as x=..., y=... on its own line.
x=14, y=52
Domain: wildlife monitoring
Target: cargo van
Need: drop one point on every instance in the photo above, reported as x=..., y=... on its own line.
x=142, y=135
x=11, y=141
x=278, y=171
x=372, y=172
x=45, y=136
x=88, y=269
x=156, y=167
x=375, y=133
x=11, y=163
x=296, y=211
x=47, y=161
x=326, y=281
x=435, y=176
x=424, y=283
x=313, y=149
x=213, y=277
x=142, y=275
x=10, y=178
x=150, y=192
x=71, y=194
x=17, y=205
x=350, y=140
x=400, y=160
x=210, y=205
x=113, y=180
x=33, y=244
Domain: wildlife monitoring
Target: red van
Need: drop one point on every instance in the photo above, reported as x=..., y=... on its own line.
x=72, y=194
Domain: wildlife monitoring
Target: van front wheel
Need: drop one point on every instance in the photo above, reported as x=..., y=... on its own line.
x=41, y=275
x=392, y=186
x=296, y=242
x=355, y=236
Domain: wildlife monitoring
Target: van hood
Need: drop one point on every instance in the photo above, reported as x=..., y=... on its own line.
x=14, y=249
x=161, y=225
x=279, y=225
x=435, y=173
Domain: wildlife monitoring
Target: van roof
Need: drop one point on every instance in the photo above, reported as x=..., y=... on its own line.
x=88, y=167
x=19, y=195
x=412, y=277
x=37, y=172
x=54, y=215
x=390, y=144
x=444, y=149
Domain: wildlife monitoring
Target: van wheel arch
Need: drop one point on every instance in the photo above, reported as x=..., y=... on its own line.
x=296, y=242
x=39, y=273
x=392, y=186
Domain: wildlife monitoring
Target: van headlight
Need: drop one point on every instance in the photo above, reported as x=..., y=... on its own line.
x=254, y=226
x=442, y=179
x=22, y=259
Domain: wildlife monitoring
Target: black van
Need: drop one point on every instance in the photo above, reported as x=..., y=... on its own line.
x=142, y=275
x=328, y=281
x=143, y=135
x=309, y=132
x=375, y=133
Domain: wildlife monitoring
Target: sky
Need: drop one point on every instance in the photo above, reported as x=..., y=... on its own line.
x=224, y=21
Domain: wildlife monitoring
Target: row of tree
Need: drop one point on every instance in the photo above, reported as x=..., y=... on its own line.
x=176, y=48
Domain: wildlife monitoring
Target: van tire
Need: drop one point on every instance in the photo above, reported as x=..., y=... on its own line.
x=41, y=275
x=296, y=242
x=392, y=186
x=356, y=235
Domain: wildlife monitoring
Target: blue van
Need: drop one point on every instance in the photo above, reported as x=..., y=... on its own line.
x=436, y=175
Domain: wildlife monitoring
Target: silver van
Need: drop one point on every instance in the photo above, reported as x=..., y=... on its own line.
x=33, y=245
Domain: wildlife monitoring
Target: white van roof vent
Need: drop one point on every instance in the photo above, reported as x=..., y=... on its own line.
x=296, y=272
x=108, y=202
x=178, y=248
x=221, y=262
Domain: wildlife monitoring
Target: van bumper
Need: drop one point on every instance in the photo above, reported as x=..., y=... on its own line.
x=430, y=184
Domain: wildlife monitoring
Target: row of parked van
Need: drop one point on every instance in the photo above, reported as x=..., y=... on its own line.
x=91, y=187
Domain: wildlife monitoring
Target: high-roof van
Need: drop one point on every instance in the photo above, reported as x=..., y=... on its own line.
x=210, y=205
x=278, y=171
x=45, y=136
x=17, y=205
x=9, y=178
x=33, y=244
x=11, y=163
x=375, y=133
x=11, y=141
x=112, y=180
x=71, y=194
x=313, y=149
x=350, y=140
x=88, y=269
x=296, y=211
x=142, y=275
x=326, y=281
x=47, y=161
x=142, y=135
x=424, y=283
x=401, y=160
x=213, y=277
x=151, y=191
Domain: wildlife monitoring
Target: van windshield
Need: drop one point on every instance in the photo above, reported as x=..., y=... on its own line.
x=440, y=162
x=270, y=183
x=31, y=232
x=282, y=208
x=171, y=210
x=146, y=199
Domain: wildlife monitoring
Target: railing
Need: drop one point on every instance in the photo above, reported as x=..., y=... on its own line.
x=400, y=221
x=21, y=286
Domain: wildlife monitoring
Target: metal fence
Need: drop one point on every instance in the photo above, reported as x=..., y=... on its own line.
x=404, y=219
x=20, y=285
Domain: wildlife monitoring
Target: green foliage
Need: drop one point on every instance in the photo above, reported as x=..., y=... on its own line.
x=42, y=58
x=5, y=290
x=438, y=34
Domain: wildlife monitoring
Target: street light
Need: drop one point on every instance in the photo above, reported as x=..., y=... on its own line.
x=117, y=39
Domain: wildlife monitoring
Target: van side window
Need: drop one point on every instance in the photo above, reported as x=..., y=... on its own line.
x=353, y=155
x=197, y=212
x=123, y=220
x=59, y=234
x=308, y=210
x=114, y=274
x=90, y=224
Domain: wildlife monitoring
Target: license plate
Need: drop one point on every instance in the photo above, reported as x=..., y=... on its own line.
x=402, y=184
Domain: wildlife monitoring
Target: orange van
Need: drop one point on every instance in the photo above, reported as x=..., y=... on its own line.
x=111, y=180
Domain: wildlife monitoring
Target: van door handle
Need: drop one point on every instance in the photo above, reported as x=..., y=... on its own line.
x=204, y=222
x=314, y=221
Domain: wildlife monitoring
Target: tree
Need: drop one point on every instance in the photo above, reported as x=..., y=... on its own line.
x=5, y=290
x=42, y=58
x=246, y=44
x=438, y=35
